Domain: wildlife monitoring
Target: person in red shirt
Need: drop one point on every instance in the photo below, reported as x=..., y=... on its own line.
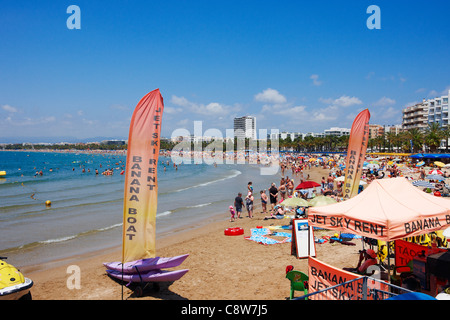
x=367, y=258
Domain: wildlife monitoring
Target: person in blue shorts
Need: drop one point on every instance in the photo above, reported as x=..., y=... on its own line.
x=238, y=204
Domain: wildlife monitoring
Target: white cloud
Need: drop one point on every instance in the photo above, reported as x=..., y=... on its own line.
x=315, y=79
x=343, y=101
x=322, y=116
x=384, y=101
x=390, y=113
x=180, y=101
x=446, y=90
x=31, y=122
x=8, y=108
x=170, y=110
x=433, y=93
x=295, y=112
x=212, y=109
x=270, y=96
x=370, y=75
x=119, y=107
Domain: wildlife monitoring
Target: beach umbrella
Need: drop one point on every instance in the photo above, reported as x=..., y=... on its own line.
x=294, y=202
x=446, y=233
x=421, y=163
x=439, y=164
x=447, y=165
x=435, y=171
x=307, y=185
x=341, y=178
x=373, y=166
x=434, y=177
x=423, y=184
x=321, y=201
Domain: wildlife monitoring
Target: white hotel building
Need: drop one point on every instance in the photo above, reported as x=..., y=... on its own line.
x=245, y=127
x=426, y=112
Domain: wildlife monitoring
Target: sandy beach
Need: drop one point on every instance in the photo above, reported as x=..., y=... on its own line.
x=220, y=267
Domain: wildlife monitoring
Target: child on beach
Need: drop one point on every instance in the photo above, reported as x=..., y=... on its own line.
x=232, y=212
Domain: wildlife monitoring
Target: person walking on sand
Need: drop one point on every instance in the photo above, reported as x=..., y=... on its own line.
x=290, y=186
x=249, y=204
x=273, y=195
x=264, y=200
x=238, y=203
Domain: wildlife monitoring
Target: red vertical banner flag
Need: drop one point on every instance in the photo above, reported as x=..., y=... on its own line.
x=357, y=146
x=141, y=185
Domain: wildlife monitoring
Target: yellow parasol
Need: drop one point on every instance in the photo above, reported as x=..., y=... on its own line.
x=439, y=164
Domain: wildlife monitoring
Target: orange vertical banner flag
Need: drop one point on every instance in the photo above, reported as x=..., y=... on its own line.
x=357, y=145
x=141, y=185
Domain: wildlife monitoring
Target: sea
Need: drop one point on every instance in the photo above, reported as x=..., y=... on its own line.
x=86, y=210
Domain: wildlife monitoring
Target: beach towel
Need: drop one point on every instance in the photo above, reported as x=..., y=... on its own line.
x=262, y=236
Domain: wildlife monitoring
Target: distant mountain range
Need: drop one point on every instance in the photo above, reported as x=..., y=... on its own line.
x=12, y=140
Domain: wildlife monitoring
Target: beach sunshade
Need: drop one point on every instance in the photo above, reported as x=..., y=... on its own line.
x=423, y=184
x=447, y=165
x=341, y=178
x=434, y=177
x=388, y=209
x=307, y=185
x=446, y=232
x=439, y=164
x=421, y=163
x=320, y=201
x=373, y=166
x=294, y=202
x=435, y=171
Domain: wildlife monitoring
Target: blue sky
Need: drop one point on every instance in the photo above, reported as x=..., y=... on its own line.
x=296, y=65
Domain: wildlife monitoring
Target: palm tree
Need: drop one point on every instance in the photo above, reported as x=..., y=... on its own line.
x=433, y=136
x=445, y=135
x=416, y=136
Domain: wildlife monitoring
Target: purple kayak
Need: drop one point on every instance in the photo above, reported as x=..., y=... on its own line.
x=145, y=265
x=150, y=276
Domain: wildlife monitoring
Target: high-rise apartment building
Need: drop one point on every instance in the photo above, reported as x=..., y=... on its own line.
x=426, y=112
x=245, y=127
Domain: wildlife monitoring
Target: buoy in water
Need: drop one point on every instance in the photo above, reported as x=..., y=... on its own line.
x=48, y=203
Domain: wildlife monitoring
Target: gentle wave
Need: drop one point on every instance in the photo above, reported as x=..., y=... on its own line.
x=233, y=175
x=165, y=213
x=61, y=239
x=199, y=205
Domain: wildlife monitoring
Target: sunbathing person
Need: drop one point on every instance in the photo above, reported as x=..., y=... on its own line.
x=278, y=213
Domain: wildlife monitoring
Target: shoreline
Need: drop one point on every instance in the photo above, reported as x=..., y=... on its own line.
x=220, y=267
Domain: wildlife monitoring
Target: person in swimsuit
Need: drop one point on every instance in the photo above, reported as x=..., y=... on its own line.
x=249, y=204
x=263, y=200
